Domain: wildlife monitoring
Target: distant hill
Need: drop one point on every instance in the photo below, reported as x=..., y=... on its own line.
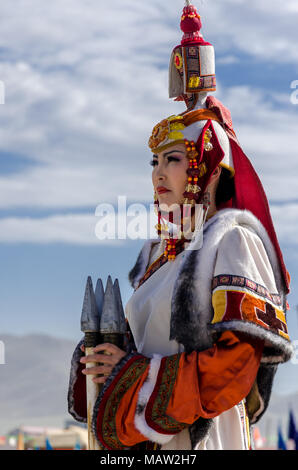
x=34, y=381
x=278, y=413
x=34, y=384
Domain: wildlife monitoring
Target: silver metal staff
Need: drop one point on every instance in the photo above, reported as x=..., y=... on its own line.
x=102, y=321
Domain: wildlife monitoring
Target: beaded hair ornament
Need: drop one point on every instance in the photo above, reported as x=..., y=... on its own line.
x=170, y=132
x=192, y=70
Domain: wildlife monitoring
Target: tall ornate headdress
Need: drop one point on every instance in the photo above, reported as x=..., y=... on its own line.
x=192, y=71
x=192, y=64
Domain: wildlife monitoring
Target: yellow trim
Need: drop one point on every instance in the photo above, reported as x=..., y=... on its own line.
x=170, y=144
x=175, y=135
x=231, y=170
x=280, y=315
x=219, y=303
x=246, y=424
x=282, y=333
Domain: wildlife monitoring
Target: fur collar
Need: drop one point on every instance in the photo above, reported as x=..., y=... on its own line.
x=191, y=310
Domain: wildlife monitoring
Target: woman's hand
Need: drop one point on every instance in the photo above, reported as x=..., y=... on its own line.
x=107, y=361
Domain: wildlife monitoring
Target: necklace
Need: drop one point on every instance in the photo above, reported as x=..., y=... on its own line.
x=160, y=261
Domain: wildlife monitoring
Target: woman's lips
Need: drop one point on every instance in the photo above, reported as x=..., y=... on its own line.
x=162, y=190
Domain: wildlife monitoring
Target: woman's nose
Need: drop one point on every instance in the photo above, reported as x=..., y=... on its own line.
x=160, y=173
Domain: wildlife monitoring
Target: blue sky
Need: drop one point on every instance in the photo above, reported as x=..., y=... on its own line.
x=84, y=86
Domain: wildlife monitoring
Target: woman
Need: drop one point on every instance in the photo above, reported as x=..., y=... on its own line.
x=207, y=314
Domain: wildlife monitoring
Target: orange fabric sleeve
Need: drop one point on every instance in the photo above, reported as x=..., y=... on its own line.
x=126, y=430
x=201, y=384
x=217, y=379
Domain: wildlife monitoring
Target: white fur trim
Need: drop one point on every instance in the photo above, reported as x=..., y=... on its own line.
x=259, y=411
x=219, y=225
x=207, y=60
x=145, y=254
x=143, y=399
x=270, y=338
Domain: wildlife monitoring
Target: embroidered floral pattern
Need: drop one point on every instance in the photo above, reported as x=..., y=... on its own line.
x=240, y=281
x=178, y=61
x=234, y=305
x=155, y=414
x=159, y=133
x=168, y=129
x=108, y=409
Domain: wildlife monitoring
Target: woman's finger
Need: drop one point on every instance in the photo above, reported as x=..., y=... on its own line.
x=99, y=380
x=109, y=347
x=97, y=370
x=102, y=358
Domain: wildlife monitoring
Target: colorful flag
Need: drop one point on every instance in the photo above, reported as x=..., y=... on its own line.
x=77, y=445
x=292, y=426
x=48, y=444
x=281, y=445
x=258, y=439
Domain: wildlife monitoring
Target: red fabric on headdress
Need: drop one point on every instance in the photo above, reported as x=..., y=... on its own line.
x=191, y=25
x=249, y=191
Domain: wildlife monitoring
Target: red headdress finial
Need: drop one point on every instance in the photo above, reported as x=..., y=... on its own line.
x=192, y=64
x=190, y=24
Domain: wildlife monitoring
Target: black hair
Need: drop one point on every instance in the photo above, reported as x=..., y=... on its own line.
x=226, y=187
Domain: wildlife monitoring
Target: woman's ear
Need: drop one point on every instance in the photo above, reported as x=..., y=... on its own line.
x=216, y=174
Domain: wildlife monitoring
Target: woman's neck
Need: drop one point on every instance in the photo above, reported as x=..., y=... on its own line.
x=212, y=209
x=196, y=101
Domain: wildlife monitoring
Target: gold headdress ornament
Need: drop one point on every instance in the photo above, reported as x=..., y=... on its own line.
x=192, y=70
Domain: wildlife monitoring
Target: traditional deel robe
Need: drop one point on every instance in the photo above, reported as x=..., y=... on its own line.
x=210, y=329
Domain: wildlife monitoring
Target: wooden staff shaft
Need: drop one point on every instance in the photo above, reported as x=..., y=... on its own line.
x=92, y=339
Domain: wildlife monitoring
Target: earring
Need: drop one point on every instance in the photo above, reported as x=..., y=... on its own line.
x=161, y=227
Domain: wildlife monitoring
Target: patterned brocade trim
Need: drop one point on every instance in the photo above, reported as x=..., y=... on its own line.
x=231, y=305
x=110, y=397
x=240, y=281
x=155, y=414
x=160, y=261
x=73, y=379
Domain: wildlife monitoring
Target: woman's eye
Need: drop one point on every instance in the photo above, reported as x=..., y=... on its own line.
x=170, y=159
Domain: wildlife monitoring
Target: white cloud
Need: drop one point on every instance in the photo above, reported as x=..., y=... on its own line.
x=60, y=186
x=82, y=166
x=266, y=30
x=74, y=229
x=286, y=221
x=227, y=60
x=84, y=229
x=109, y=225
x=85, y=83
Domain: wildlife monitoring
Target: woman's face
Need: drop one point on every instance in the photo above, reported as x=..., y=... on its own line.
x=169, y=171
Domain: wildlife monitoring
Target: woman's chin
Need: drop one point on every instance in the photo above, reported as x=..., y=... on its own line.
x=169, y=205
x=167, y=200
